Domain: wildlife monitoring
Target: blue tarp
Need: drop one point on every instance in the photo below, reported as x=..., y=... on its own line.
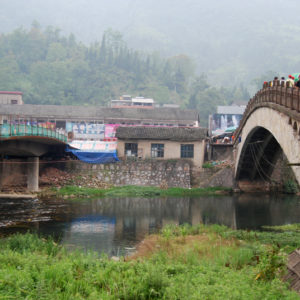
x=94, y=157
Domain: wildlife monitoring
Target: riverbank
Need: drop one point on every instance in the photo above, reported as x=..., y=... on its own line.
x=132, y=191
x=200, y=262
x=18, y=196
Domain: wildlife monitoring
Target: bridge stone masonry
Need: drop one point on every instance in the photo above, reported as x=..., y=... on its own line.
x=268, y=137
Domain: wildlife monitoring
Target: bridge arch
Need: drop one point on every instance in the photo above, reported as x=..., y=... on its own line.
x=266, y=133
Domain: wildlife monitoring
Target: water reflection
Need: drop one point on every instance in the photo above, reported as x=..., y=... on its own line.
x=114, y=226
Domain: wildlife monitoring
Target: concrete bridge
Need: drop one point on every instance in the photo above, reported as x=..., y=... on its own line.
x=29, y=142
x=268, y=138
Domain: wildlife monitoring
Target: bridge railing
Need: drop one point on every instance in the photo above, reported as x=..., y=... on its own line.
x=12, y=130
x=275, y=92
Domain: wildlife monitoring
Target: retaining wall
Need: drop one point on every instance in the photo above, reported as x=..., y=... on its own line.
x=142, y=173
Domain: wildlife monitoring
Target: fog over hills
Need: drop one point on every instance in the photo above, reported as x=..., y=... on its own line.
x=230, y=40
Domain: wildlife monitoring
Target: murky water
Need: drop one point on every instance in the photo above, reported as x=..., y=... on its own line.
x=115, y=226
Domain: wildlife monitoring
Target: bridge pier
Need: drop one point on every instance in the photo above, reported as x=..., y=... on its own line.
x=33, y=174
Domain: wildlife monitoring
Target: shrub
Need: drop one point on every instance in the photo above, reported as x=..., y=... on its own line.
x=290, y=187
x=207, y=165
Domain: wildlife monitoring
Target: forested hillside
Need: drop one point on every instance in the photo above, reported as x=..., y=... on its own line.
x=231, y=41
x=53, y=69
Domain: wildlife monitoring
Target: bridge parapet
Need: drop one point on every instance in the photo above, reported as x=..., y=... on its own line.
x=11, y=130
x=274, y=94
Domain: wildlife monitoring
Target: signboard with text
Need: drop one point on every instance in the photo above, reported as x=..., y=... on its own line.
x=85, y=130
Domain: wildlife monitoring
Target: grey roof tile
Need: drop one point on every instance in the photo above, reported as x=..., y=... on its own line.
x=100, y=113
x=162, y=133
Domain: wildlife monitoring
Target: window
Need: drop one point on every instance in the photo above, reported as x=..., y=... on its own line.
x=14, y=101
x=157, y=150
x=131, y=149
x=187, y=151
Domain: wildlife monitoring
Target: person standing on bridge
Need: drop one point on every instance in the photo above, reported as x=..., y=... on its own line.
x=298, y=83
x=275, y=81
x=290, y=81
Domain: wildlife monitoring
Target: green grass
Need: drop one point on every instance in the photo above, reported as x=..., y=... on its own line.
x=79, y=191
x=199, y=262
x=138, y=191
x=284, y=228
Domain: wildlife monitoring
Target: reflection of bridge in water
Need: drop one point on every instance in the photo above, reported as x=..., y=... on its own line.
x=30, y=142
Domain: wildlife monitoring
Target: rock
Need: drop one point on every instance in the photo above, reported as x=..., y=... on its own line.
x=115, y=258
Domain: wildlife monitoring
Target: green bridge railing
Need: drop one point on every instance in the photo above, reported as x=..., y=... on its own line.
x=11, y=130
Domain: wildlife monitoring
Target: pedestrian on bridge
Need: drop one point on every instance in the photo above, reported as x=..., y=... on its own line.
x=297, y=84
x=290, y=81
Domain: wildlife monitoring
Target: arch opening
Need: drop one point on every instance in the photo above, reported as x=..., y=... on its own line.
x=259, y=156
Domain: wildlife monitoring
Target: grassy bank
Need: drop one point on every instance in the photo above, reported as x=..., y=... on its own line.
x=181, y=263
x=137, y=191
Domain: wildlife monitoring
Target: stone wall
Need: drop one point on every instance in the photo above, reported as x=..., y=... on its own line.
x=13, y=172
x=214, y=177
x=168, y=173
x=221, y=152
x=165, y=173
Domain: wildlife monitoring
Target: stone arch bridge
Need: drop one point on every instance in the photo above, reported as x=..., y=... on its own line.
x=268, y=139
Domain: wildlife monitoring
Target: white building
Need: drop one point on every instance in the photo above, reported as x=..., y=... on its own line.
x=128, y=101
x=7, y=97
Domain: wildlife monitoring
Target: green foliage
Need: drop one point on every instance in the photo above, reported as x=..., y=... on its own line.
x=272, y=264
x=80, y=191
x=51, y=69
x=212, y=268
x=284, y=228
x=205, y=98
x=207, y=165
x=133, y=191
x=289, y=240
x=27, y=243
x=138, y=191
x=290, y=187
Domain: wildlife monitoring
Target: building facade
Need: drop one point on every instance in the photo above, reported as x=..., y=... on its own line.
x=162, y=143
x=7, y=97
x=132, y=102
x=95, y=122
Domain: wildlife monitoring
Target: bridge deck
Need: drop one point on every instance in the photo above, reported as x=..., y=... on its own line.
x=9, y=131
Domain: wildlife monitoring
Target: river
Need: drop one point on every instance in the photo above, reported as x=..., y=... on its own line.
x=116, y=226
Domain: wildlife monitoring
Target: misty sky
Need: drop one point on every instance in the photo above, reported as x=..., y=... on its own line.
x=243, y=37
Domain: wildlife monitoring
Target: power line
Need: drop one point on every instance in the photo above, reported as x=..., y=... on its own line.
x=256, y=163
x=259, y=167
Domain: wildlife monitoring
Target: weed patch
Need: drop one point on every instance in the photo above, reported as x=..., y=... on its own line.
x=183, y=262
x=138, y=191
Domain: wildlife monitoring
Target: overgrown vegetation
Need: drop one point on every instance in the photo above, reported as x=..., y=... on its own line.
x=290, y=187
x=79, y=191
x=185, y=262
x=284, y=228
x=138, y=191
x=207, y=165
